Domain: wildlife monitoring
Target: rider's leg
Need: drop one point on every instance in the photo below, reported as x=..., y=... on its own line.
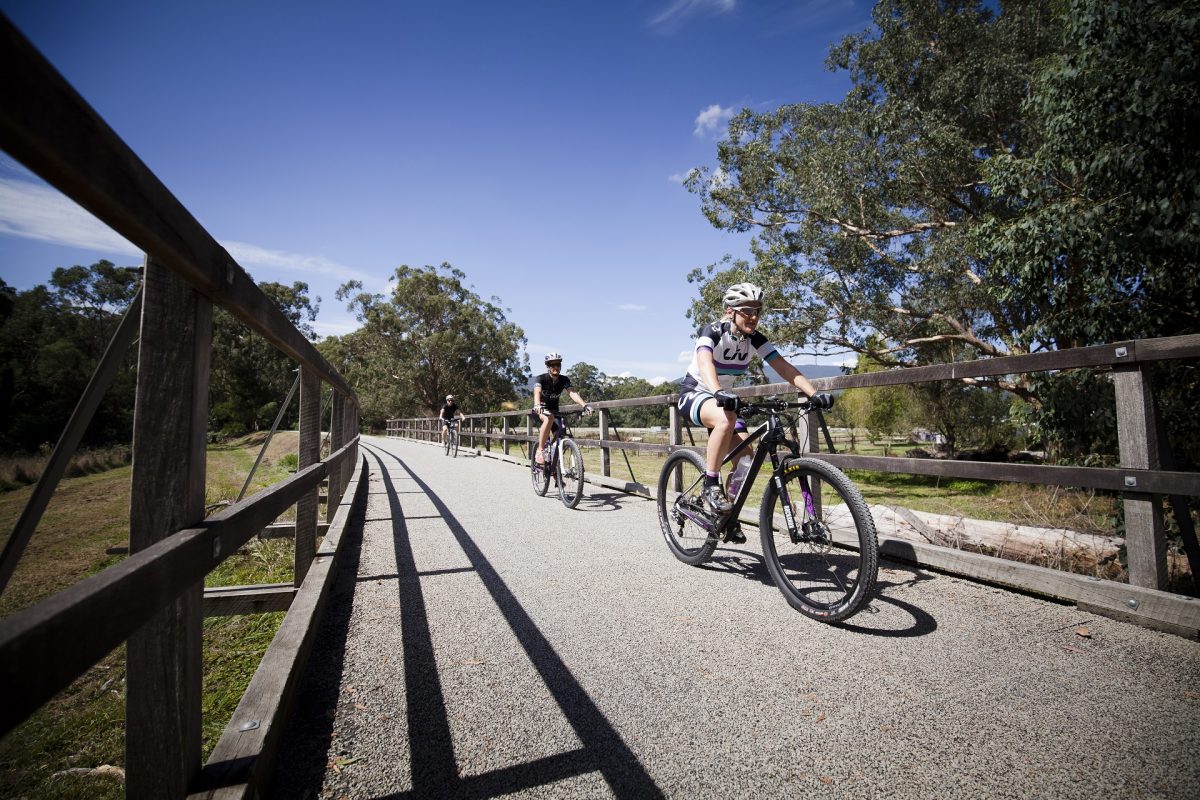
x=721, y=436
x=721, y=423
x=543, y=435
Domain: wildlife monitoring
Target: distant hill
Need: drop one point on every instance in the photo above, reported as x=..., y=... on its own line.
x=819, y=370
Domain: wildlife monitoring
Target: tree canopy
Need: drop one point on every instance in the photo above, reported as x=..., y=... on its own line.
x=1001, y=182
x=432, y=336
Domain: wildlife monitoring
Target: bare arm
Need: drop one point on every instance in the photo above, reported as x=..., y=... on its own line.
x=793, y=376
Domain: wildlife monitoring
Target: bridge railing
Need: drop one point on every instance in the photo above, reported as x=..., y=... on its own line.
x=154, y=600
x=1142, y=480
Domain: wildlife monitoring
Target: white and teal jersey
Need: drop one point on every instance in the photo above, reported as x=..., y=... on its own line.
x=730, y=351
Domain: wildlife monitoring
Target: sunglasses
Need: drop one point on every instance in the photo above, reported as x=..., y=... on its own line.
x=750, y=311
x=553, y=363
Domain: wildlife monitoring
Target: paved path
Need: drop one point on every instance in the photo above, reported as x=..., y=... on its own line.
x=482, y=641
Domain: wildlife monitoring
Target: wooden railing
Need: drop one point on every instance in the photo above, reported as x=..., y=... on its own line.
x=154, y=600
x=1141, y=480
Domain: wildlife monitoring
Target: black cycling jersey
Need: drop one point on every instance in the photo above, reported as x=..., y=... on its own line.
x=449, y=411
x=552, y=389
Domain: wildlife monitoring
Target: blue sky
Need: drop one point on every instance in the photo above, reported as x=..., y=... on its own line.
x=536, y=146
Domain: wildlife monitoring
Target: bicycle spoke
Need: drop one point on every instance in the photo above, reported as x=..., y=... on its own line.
x=825, y=564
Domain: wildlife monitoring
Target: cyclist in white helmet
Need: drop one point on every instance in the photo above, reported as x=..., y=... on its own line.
x=721, y=355
x=449, y=411
x=547, y=388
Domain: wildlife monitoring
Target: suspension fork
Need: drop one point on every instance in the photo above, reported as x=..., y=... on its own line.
x=795, y=528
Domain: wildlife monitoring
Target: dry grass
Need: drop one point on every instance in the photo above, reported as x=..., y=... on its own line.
x=18, y=471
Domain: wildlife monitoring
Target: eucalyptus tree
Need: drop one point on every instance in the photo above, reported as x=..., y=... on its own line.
x=429, y=337
x=250, y=378
x=1002, y=182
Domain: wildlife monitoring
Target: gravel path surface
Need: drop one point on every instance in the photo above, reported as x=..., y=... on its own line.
x=482, y=641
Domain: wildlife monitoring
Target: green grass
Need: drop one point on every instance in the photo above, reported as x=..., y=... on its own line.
x=83, y=726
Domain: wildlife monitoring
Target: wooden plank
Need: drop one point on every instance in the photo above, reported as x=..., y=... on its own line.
x=308, y=452
x=1145, y=532
x=1149, y=607
x=163, y=657
x=242, y=761
x=47, y=126
x=1112, y=479
x=287, y=530
x=231, y=601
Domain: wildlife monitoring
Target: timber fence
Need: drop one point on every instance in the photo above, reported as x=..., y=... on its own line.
x=154, y=601
x=1143, y=480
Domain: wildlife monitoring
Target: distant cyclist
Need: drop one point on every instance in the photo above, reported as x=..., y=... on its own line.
x=449, y=411
x=547, y=388
x=721, y=355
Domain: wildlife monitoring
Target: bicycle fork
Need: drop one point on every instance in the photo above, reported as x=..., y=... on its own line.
x=808, y=529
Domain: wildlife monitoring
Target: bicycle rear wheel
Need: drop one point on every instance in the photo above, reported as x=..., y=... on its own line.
x=827, y=569
x=539, y=473
x=681, y=508
x=570, y=473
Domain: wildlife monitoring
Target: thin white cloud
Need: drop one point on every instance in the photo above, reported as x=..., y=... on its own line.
x=33, y=211
x=658, y=380
x=632, y=307
x=251, y=255
x=680, y=177
x=36, y=211
x=679, y=10
x=710, y=120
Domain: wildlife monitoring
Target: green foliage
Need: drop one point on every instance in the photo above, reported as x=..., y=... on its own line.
x=51, y=339
x=250, y=378
x=433, y=336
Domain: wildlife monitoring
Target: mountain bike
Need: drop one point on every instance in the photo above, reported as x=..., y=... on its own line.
x=563, y=461
x=818, y=538
x=451, y=443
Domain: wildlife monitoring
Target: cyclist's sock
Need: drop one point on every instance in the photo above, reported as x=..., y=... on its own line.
x=711, y=478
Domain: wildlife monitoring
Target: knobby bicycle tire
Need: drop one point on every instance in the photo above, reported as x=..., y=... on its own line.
x=569, y=468
x=680, y=503
x=830, y=573
x=540, y=475
x=446, y=444
x=455, y=454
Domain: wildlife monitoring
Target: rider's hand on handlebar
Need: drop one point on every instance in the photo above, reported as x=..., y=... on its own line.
x=821, y=400
x=727, y=400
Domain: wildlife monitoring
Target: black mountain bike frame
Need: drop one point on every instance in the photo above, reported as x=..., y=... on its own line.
x=772, y=433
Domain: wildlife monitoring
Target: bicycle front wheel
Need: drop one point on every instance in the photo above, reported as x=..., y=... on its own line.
x=455, y=448
x=819, y=540
x=446, y=443
x=540, y=474
x=570, y=473
x=681, y=512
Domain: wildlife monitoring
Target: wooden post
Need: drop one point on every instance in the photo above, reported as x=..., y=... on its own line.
x=337, y=438
x=605, y=452
x=309, y=453
x=487, y=429
x=504, y=434
x=163, y=658
x=1145, y=537
x=676, y=425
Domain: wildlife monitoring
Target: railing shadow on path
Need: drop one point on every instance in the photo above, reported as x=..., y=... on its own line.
x=434, y=770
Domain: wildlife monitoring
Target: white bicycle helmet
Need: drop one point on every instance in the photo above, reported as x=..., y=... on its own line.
x=449, y=397
x=741, y=293
x=552, y=356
